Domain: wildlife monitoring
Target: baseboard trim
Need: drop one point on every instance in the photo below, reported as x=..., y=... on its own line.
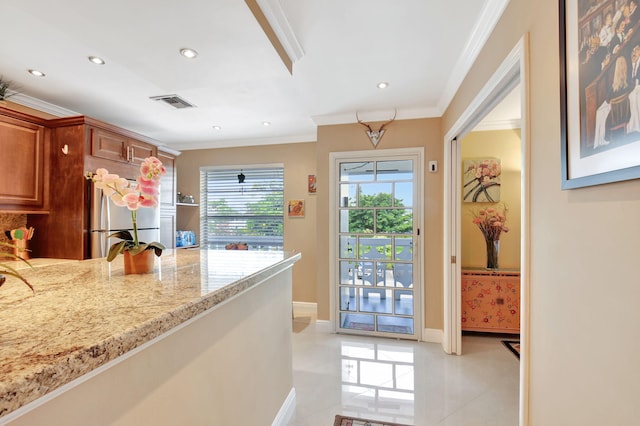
x=432, y=335
x=288, y=408
x=305, y=309
x=325, y=326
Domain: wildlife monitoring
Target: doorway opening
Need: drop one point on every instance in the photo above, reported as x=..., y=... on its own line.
x=511, y=73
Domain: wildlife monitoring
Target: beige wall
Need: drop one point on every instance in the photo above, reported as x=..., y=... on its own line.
x=400, y=134
x=299, y=233
x=505, y=145
x=584, y=280
x=310, y=235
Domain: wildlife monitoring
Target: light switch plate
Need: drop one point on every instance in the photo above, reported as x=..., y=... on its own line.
x=433, y=166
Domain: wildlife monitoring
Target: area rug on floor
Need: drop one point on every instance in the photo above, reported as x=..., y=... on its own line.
x=352, y=421
x=513, y=346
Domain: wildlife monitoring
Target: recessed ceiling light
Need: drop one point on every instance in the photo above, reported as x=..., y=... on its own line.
x=266, y=123
x=383, y=85
x=188, y=53
x=217, y=127
x=96, y=60
x=36, y=73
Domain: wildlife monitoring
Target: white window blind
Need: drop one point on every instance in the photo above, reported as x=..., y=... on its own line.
x=250, y=212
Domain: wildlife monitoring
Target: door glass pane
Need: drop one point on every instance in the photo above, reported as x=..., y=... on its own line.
x=352, y=321
x=404, y=248
x=348, y=299
x=377, y=300
x=403, y=300
x=348, y=195
x=347, y=247
x=357, y=220
x=375, y=195
x=394, y=221
x=358, y=171
x=391, y=324
x=395, y=170
x=403, y=275
x=348, y=271
x=403, y=196
x=375, y=248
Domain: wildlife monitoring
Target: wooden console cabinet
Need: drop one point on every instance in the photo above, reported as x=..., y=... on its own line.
x=491, y=301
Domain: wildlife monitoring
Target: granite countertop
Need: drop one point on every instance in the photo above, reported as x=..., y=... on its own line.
x=87, y=313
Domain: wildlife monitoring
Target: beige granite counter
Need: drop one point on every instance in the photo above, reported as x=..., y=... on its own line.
x=87, y=313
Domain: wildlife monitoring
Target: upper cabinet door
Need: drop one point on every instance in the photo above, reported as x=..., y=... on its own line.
x=24, y=165
x=138, y=151
x=111, y=146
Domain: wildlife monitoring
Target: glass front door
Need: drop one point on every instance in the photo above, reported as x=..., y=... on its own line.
x=376, y=236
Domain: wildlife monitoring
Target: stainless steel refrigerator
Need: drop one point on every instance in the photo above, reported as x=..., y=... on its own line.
x=107, y=218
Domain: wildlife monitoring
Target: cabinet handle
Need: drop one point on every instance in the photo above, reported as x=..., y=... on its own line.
x=128, y=156
x=133, y=155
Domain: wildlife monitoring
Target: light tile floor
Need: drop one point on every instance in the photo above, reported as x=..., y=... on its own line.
x=400, y=381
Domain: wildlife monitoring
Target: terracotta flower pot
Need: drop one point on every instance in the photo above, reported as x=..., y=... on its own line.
x=141, y=263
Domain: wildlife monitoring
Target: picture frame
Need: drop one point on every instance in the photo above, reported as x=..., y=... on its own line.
x=295, y=208
x=599, y=106
x=481, y=180
x=311, y=184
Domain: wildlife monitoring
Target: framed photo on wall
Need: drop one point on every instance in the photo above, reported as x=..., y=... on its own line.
x=295, y=208
x=311, y=184
x=599, y=91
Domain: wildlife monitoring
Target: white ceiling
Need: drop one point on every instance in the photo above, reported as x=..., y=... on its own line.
x=422, y=48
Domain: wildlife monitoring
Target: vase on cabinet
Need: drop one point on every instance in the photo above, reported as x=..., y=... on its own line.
x=493, y=249
x=141, y=263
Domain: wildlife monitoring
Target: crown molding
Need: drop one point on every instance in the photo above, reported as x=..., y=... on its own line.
x=380, y=115
x=272, y=10
x=489, y=17
x=236, y=143
x=40, y=105
x=507, y=124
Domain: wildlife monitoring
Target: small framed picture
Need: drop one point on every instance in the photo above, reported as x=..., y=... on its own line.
x=312, y=184
x=296, y=208
x=481, y=180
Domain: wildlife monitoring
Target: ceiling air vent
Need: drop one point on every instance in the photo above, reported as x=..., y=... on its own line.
x=173, y=100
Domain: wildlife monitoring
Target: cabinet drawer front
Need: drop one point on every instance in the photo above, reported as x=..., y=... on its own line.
x=108, y=145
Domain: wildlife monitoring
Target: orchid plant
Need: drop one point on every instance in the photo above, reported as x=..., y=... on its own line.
x=123, y=194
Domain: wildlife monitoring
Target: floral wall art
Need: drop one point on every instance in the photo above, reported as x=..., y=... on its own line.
x=481, y=180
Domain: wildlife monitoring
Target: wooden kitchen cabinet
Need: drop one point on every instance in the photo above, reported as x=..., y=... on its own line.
x=80, y=145
x=490, y=301
x=119, y=147
x=24, y=164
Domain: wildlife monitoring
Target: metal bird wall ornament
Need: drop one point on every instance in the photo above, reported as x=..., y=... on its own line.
x=375, y=136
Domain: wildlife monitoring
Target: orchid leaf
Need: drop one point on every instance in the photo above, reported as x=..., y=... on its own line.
x=115, y=249
x=123, y=235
